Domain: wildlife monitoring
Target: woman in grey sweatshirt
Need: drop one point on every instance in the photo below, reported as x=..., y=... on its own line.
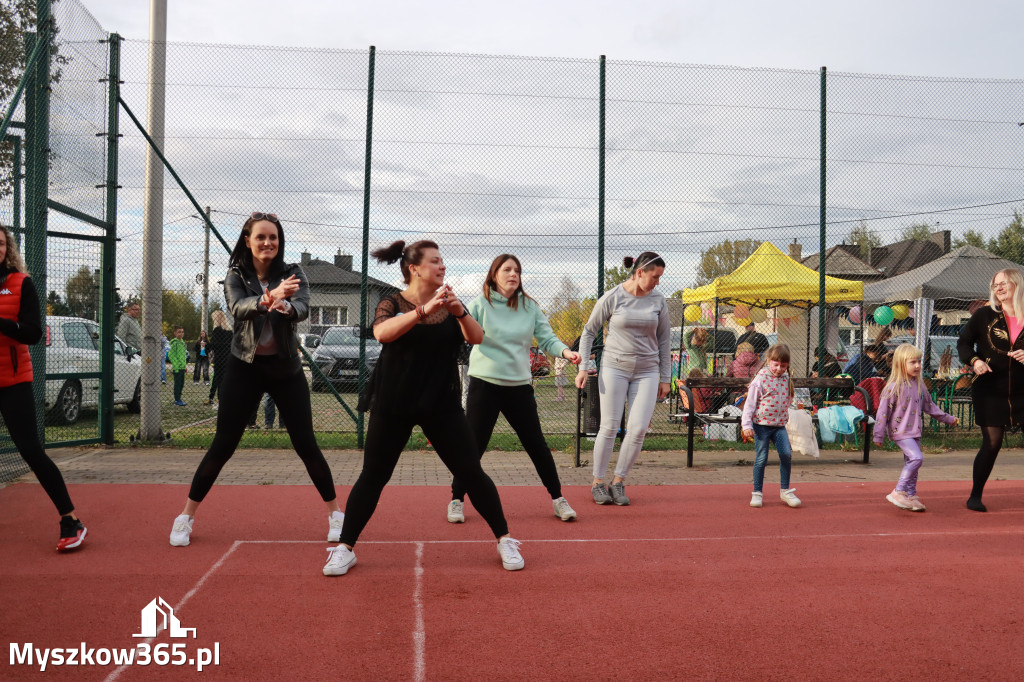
x=636, y=368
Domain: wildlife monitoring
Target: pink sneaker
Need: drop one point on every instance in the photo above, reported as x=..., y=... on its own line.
x=916, y=504
x=900, y=499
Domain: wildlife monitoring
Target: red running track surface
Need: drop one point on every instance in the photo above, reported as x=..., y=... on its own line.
x=686, y=583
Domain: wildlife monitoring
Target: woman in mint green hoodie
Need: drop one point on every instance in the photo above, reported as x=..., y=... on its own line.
x=500, y=379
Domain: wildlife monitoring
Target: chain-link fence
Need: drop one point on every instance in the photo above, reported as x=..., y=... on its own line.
x=570, y=164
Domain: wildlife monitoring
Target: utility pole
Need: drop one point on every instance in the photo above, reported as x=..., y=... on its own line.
x=206, y=273
x=150, y=427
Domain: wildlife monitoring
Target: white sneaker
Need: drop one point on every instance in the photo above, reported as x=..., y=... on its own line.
x=334, y=522
x=455, y=514
x=563, y=510
x=508, y=550
x=340, y=559
x=181, y=530
x=790, y=498
x=756, y=499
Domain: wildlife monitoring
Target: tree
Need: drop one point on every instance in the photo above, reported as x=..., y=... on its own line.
x=569, y=310
x=922, y=232
x=55, y=305
x=1009, y=243
x=864, y=237
x=82, y=292
x=16, y=17
x=616, y=275
x=723, y=258
x=970, y=238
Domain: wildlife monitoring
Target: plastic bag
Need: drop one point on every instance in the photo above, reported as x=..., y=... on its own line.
x=800, y=430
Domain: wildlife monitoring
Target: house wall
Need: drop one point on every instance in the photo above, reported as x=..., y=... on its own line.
x=335, y=296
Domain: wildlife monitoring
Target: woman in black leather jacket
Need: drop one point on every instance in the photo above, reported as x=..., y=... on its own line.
x=992, y=346
x=267, y=298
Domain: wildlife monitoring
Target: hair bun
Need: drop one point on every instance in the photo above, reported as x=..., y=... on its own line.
x=627, y=262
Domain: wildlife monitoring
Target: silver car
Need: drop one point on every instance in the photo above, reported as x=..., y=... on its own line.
x=73, y=346
x=337, y=356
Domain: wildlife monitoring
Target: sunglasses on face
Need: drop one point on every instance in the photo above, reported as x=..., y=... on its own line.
x=265, y=216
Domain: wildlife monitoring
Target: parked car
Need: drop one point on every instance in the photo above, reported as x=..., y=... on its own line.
x=309, y=341
x=937, y=345
x=337, y=356
x=73, y=346
x=539, y=364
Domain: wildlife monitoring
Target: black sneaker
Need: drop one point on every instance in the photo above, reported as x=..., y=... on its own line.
x=72, y=534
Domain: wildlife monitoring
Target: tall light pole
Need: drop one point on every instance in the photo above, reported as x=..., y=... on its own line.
x=150, y=427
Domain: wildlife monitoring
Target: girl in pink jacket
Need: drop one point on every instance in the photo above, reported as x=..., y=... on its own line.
x=901, y=409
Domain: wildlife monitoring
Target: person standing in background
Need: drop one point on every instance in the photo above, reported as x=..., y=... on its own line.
x=178, y=356
x=128, y=328
x=202, y=359
x=220, y=345
x=755, y=338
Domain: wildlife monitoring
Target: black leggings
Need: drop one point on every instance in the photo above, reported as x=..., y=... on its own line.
x=386, y=435
x=519, y=405
x=18, y=408
x=219, y=369
x=991, y=441
x=239, y=395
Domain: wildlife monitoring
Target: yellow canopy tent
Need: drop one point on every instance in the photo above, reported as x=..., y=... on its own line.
x=769, y=278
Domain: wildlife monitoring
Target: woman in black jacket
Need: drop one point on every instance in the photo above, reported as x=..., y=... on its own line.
x=21, y=326
x=267, y=297
x=991, y=344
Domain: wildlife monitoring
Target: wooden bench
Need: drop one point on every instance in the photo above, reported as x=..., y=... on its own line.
x=740, y=385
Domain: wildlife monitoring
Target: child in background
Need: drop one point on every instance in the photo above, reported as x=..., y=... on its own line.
x=901, y=407
x=561, y=380
x=178, y=356
x=765, y=415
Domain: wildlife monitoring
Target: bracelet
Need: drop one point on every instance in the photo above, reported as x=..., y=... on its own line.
x=420, y=312
x=465, y=311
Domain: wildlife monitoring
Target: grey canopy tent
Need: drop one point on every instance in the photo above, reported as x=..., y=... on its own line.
x=949, y=282
x=963, y=274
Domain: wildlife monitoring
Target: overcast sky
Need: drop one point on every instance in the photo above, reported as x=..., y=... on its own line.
x=502, y=152
x=907, y=37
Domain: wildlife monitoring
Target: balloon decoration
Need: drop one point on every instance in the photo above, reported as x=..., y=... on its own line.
x=900, y=311
x=758, y=315
x=693, y=313
x=741, y=311
x=883, y=315
x=742, y=321
x=855, y=314
x=910, y=313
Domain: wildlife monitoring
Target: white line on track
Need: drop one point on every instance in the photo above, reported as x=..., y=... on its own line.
x=694, y=538
x=419, y=635
x=114, y=674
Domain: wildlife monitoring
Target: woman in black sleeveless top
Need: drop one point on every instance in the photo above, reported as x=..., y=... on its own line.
x=416, y=382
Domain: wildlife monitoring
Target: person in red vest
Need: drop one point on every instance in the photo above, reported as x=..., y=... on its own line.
x=21, y=325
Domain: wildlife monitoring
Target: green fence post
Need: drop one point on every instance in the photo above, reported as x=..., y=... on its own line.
x=37, y=147
x=363, y=282
x=821, y=227
x=16, y=177
x=108, y=253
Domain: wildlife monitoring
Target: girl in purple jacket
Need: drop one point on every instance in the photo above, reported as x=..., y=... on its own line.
x=901, y=409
